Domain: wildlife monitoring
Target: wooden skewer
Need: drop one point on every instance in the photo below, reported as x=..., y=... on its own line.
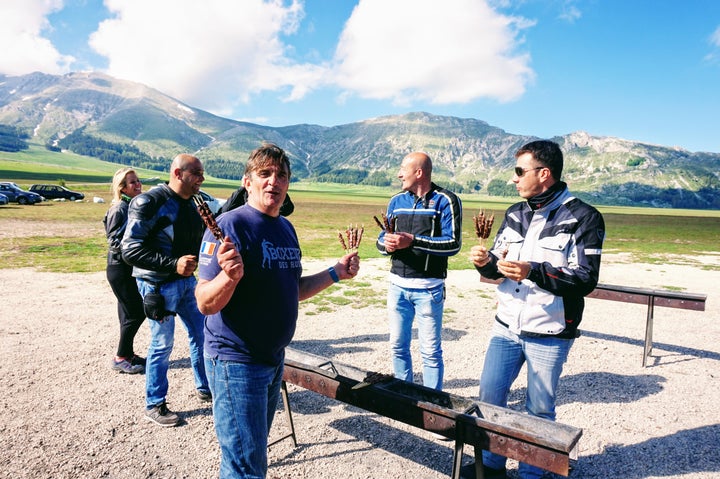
x=350, y=232
x=359, y=238
x=353, y=234
x=207, y=217
x=342, y=241
x=386, y=222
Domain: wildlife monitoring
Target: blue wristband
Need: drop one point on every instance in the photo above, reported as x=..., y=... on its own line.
x=333, y=274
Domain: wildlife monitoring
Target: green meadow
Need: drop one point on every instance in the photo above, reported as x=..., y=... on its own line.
x=69, y=237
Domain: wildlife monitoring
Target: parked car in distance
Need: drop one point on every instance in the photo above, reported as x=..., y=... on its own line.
x=4, y=199
x=17, y=195
x=52, y=192
x=213, y=203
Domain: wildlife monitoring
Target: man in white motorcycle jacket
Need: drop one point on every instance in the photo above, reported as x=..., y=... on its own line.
x=547, y=254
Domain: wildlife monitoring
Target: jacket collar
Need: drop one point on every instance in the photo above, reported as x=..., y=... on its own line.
x=547, y=196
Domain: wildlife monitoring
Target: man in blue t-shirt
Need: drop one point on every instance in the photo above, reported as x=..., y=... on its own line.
x=249, y=287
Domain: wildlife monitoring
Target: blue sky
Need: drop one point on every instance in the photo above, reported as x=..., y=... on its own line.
x=644, y=70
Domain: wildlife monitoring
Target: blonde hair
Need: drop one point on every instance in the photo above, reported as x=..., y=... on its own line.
x=119, y=182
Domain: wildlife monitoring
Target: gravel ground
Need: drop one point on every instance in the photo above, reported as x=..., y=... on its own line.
x=65, y=414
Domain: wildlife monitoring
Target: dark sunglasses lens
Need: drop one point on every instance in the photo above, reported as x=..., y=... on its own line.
x=519, y=171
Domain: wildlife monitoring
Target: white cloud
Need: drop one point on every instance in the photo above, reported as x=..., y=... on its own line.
x=713, y=56
x=569, y=11
x=454, y=51
x=25, y=50
x=213, y=54
x=218, y=54
x=715, y=38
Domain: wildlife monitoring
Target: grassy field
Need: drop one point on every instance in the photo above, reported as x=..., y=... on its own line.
x=69, y=237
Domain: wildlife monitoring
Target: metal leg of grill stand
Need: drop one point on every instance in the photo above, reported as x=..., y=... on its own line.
x=288, y=416
x=460, y=444
x=647, y=351
x=479, y=472
x=457, y=456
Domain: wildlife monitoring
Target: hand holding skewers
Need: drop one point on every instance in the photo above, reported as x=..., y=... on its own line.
x=387, y=224
x=207, y=217
x=228, y=257
x=479, y=254
x=349, y=265
x=393, y=240
x=354, y=236
x=483, y=226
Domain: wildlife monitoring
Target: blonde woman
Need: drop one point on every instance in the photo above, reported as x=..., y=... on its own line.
x=125, y=186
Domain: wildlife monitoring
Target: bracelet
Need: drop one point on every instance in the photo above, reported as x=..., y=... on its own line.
x=333, y=274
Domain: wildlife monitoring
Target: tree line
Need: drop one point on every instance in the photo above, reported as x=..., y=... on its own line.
x=123, y=154
x=13, y=139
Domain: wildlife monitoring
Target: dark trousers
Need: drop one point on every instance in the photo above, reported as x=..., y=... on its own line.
x=130, y=306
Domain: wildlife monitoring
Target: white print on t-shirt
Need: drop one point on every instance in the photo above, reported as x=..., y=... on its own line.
x=284, y=257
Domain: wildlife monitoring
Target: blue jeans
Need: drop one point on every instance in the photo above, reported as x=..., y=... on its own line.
x=426, y=305
x=245, y=396
x=506, y=354
x=179, y=297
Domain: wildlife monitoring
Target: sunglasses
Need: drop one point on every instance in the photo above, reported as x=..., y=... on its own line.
x=520, y=171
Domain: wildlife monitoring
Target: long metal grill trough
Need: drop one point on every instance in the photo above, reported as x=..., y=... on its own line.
x=528, y=439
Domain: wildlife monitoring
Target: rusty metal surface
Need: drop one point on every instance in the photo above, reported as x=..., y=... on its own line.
x=536, y=441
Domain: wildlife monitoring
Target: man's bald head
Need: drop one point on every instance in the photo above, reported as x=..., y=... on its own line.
x=415, y=173
x=182, y=161
x=421, y=161
x=186, y=175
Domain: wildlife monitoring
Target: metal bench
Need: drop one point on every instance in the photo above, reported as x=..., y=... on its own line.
x=650, y=297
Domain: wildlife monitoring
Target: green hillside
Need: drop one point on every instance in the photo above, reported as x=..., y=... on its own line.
x=39, y=165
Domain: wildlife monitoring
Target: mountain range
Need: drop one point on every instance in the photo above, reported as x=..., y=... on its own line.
x=126, y=122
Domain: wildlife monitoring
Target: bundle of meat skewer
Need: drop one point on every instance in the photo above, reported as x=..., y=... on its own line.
x=354, y=236
x=387, y=224
x=483, y=226
x=207, y=217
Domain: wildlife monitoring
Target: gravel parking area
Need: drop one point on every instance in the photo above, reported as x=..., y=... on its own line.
x=65, y=414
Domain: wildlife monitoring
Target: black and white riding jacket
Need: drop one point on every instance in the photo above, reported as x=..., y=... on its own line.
x=161, y=228
x=562, y=240
x=436, y=222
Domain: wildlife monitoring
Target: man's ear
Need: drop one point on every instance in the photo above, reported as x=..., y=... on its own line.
x=546, y=174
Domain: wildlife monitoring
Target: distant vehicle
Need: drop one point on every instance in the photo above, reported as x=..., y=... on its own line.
x=213, y=203
x=51, y=192
x=4, y=199
x=17, y=195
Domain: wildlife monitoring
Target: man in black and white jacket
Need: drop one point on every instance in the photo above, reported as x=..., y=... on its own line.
x=162, y=242
x=547, y=253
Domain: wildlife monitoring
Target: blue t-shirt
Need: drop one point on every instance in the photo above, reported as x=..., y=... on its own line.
x=259, y=321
